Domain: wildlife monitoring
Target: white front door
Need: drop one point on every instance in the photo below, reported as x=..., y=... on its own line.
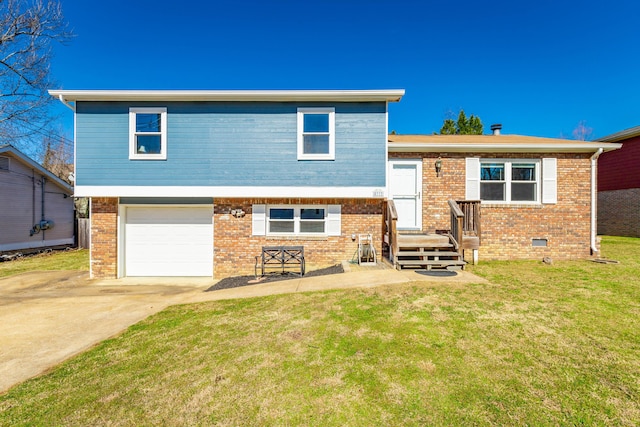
x=405, y=189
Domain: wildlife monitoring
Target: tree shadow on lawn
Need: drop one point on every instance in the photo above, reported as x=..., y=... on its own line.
x=237, y=281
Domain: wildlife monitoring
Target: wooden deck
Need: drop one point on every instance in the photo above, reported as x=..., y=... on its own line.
x=429, y=250
x=423, y=240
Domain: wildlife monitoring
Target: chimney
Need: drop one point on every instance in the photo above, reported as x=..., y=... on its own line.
x=496, y=128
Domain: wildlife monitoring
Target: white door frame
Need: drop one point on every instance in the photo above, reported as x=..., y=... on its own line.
x=418, y=196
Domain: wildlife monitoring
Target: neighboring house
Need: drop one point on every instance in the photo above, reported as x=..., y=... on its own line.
x=537, y=194
x=619, y=186
x=37, y=207
x=195, y=183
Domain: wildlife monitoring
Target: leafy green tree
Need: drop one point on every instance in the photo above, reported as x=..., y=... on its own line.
x=462, y=126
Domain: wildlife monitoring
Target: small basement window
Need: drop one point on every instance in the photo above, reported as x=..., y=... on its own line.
x=539, y=242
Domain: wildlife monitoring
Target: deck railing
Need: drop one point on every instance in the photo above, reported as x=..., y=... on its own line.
x=471, y=211
x=389, y=229
x=465, y=221
x=457, y=224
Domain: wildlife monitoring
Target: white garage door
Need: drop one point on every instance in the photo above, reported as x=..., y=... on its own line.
x=169, y=241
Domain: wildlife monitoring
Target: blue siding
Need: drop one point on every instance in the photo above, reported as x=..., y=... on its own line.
x=230, y=144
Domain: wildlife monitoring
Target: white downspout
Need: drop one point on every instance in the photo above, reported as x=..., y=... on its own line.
x=65, y=102
x=594, y=201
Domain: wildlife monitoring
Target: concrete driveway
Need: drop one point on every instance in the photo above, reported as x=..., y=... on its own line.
x=47, y=317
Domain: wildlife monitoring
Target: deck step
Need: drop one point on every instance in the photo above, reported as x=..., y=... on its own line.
x=442, y=262
x=428, y=253
x=430, y=247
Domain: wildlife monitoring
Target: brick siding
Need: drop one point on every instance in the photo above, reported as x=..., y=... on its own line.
x=619, y=212
x=104, y=242
x=508, y=230
x=236, y=247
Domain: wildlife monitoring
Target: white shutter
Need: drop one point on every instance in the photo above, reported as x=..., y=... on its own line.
x=550, y=180
x=473, y=178
x=334, y=220
x=259, y=220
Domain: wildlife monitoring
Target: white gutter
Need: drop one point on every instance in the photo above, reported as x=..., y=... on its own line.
x=498, y=147
x=594, y=201
x=64, y=101
x=389, y=95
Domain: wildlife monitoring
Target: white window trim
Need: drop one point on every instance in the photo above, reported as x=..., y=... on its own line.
x=296, y=219
x=507, y=172
x=331, y=155
x=133, y=155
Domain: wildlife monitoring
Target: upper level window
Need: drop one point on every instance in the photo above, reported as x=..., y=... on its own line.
x=509, y=181
x=316, y=133
x=148, y=133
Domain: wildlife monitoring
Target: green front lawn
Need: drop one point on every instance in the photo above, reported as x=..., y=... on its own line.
x=540, y=345
x=72, y=259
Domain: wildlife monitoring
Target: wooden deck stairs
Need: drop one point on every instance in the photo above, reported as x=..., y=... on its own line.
x=444, y=250
x=427, y=251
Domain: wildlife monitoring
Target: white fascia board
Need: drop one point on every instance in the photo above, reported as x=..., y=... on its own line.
x=389, y=95
x=231, y=192
x=569, y=147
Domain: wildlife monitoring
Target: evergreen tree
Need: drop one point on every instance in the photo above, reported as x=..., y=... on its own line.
x=463, y=126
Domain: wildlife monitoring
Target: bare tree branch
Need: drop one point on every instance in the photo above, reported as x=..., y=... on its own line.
x=27, y=29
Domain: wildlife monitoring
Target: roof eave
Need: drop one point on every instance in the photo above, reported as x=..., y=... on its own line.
x=622, y=135
x=589, y=147
x=35, y=165
x=388, y=95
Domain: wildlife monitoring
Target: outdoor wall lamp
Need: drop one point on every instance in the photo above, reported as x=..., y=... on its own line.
x=438, y=165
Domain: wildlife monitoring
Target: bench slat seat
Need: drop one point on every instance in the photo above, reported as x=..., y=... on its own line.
x=280, y=259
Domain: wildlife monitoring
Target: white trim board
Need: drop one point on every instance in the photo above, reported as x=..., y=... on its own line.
x=389, y=95
x=231, y=192
x=36, y=244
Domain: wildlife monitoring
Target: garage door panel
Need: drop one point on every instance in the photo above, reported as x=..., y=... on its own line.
x=164, y=269
x=169, y=241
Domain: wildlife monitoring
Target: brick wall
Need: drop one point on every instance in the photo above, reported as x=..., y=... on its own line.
x=508, y=230
x=236, y=247
x=619, y=212
x=104, y=245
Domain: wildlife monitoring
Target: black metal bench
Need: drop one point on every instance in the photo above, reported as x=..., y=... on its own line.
x=281, y=259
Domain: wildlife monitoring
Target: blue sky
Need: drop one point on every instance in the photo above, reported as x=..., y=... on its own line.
x=538, y=67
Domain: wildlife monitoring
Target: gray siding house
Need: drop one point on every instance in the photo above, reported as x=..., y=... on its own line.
x=36, y=207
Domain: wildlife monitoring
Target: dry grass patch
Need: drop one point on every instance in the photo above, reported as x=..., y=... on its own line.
x=540, y=345
x=72, y=259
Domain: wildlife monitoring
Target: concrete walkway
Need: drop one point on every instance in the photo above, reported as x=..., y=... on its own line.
x=48, y=317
